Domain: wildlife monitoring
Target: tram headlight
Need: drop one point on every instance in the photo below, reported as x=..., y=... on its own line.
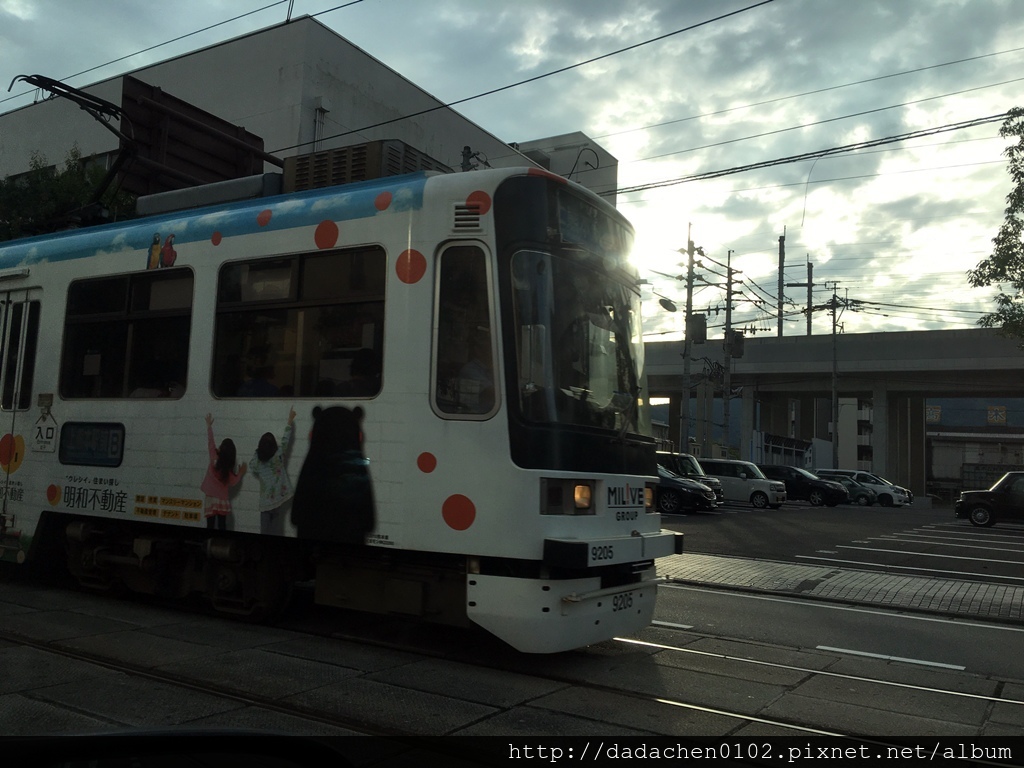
x=583, y=495
x=648, y=497
x=562, y=496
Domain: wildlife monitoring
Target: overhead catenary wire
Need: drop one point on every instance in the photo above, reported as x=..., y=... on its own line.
x=185, y=36
x=598, y=58
x=583, y=63
x=825, y=121
x=812, y=155
x=127, y=56
x=814, y=92
x=533, y=79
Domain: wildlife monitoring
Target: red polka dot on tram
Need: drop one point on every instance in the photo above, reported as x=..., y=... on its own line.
x=458, y=512
x=426, y=462
x=326, y=235
x=479, y=200
x=411, y=266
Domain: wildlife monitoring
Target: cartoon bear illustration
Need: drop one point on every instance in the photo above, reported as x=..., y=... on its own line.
x=333, y=498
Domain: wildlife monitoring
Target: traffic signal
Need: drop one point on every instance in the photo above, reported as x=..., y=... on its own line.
x=735, y=342
x=697, y=329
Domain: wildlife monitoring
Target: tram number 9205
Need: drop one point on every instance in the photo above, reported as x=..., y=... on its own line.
x=622, y=602
x=604, y=552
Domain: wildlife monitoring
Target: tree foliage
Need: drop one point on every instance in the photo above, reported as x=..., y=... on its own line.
x=48, y=198
x=1005, y=267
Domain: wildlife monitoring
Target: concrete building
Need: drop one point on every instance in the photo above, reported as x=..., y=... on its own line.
x=301, y=87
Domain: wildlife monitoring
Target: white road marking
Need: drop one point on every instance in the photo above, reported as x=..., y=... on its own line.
x=932, y=554
x=672, y=624
x=826, y=606
x=890, y=658
x=820, y=672
x=907, y=538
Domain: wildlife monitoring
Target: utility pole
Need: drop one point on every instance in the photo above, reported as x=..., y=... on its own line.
x=833, y=306
x=809, y=285
x=782, y=269
x=810, y=288
x=684, y=406
x=727, y=378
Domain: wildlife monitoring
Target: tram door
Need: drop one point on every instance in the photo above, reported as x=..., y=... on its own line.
x=19, y=335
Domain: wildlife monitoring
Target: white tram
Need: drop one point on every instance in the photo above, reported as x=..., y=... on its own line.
x=486, y=323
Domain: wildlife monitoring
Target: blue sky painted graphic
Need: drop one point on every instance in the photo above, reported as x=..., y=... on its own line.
x=360, y=200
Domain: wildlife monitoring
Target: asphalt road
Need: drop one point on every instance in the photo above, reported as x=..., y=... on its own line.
x=795, y=529
x=952, y=644
x=908, y=540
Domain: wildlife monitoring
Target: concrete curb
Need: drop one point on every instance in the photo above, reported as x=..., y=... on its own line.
x=949, y=597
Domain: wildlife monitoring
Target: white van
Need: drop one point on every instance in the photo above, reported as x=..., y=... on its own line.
x=743, y=481
x=889, y=495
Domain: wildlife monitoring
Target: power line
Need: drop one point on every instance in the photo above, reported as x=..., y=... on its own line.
x=824, y=122
x=734, y=190
x=812, y=155
x=806, y=125
x=529, y=79
x=166, y=42
x=931, y=309
x=808, y=93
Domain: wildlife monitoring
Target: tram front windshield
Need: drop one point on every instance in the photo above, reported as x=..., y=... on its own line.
x=580, y=347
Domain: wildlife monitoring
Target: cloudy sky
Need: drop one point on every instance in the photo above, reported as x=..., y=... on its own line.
x=895, y=226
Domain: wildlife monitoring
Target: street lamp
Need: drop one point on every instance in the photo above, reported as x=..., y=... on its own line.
x=667, y=304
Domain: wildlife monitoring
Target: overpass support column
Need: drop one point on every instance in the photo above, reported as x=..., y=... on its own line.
x=805, y=418
x=880, y=435
x=705, y=418
x=774, y=413
x=748, y=423
x=905, y=459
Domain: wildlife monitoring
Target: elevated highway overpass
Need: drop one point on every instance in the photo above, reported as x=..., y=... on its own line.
x=785, y=385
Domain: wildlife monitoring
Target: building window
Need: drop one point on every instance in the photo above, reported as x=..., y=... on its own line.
x=310, y=325
x=127, y=336
x=464, y=348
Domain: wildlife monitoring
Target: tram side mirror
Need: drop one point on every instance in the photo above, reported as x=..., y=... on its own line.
x=534, y=352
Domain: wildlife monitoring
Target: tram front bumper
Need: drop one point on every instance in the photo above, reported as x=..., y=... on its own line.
x=555, y=615
x=552, y=615
x=594, y=553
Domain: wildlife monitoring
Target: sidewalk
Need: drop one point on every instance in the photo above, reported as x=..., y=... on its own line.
x=948, y=597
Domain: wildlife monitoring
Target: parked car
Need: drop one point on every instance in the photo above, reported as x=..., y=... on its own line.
x=859, y=494
x=1003, y=501
x=677, y=494
x=889, y=494
x=804, y=486
x=743, y=481
x=686, y=465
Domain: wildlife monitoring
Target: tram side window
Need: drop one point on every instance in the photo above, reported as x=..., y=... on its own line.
x=21, y=338
x=464, y=348
x=310, y=325
x=127, y=336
